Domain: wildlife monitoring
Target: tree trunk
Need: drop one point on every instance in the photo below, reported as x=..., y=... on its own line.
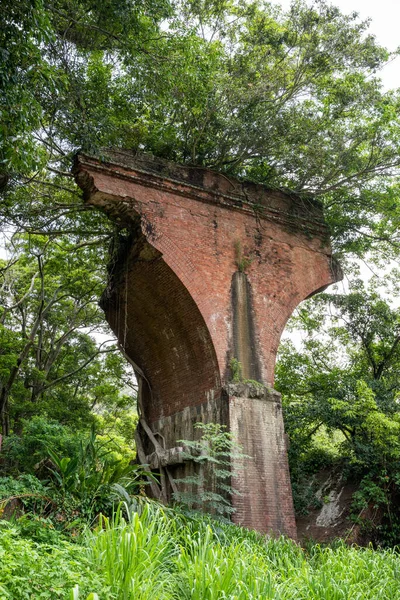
x=4, y=416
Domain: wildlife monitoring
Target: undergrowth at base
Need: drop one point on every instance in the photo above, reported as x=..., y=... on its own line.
x=148, y=552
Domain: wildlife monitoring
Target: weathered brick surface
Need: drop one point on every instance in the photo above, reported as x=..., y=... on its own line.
x=182, y=311
x=255, y=417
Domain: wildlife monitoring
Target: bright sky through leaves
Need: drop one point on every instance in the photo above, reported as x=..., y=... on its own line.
x=385, y=18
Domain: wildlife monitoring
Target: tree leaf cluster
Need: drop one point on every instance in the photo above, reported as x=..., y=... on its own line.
x=290, y=98
x=341, y=388
x=50, y=363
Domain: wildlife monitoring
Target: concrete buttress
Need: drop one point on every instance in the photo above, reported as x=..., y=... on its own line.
x=210, y=270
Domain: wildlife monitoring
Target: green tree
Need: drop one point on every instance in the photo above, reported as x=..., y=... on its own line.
x=25, y=30
x=50, y=363
x=341, y=388
x=290, y=99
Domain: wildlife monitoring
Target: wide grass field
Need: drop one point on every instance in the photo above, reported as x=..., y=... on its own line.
x=162, y=554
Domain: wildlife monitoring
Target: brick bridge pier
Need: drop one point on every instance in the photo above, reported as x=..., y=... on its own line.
x=210, y=270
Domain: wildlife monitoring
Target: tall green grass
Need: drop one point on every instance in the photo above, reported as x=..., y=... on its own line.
x=149, y=552
x=136, y=556
x=161, y=554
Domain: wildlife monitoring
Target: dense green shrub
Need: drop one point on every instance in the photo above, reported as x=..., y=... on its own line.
x=21, y=485
x=77, y=487
x=88, y=477
x=31, y=493
x=36, y=570
x=26, y=451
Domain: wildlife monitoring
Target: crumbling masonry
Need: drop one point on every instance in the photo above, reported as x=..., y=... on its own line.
x=211, y=271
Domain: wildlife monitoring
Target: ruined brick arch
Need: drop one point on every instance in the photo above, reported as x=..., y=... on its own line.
x=182, y=306
x=161, y=330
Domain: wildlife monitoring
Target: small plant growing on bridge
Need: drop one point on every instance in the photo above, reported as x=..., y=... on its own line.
x=242, y=261
x=236, y=370
x=237, y=374
x=210, y=485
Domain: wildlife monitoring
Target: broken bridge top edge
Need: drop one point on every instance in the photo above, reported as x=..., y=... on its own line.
x=206, y=185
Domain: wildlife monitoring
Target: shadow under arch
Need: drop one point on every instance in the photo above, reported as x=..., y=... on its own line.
x=160, y=329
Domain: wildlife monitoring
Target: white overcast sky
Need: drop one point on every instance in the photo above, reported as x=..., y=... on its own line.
x=385, y=25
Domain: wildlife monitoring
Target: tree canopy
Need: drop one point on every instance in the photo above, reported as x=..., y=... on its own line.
x=290, y=99
x=341, y=390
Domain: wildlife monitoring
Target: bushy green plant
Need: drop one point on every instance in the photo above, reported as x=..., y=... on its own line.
x=78, y=485
x=38, y=528
x=242, y=260
x=32, y=493
x=236, y=370
x=18, y=486
x=119, y=427
x=33, y=569
x=375, y=509
x=90, y=474
x=24, y=452
x=117, y=448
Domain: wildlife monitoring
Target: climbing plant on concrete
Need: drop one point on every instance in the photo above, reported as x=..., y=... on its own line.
x=211, y=486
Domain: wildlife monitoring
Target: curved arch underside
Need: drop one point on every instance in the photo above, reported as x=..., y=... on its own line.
x=161, y=331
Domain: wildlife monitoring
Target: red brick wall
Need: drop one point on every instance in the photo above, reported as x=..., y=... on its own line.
x=163, y=333
x=263, y=478
x=196, y=233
